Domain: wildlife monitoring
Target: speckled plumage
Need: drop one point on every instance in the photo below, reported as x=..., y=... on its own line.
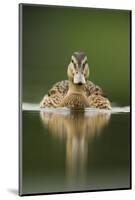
x=77, y=91
x=56, y=97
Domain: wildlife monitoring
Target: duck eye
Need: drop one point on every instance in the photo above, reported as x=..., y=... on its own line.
x=84, y=63
x=74, y=64
x=72, y=61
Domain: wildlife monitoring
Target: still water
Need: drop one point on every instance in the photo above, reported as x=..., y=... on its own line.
x=73, y=151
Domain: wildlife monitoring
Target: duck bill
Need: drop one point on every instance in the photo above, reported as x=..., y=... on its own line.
x=79, y=79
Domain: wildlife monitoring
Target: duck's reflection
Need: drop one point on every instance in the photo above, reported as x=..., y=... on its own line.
x=78, y=129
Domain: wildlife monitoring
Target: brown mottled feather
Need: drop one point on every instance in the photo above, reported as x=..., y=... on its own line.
x=75, y=100
x=95, y=97
x=98, y=101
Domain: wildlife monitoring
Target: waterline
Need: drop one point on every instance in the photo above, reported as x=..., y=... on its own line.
x=35, y=107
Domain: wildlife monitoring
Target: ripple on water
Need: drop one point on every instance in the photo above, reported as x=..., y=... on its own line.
x=88, y=111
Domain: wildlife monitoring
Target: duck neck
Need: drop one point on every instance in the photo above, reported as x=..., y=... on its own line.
x=75, y=88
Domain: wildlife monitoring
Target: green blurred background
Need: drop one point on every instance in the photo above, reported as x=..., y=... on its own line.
x=52, y=34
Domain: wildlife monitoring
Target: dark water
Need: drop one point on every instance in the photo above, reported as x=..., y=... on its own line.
x=63, y=152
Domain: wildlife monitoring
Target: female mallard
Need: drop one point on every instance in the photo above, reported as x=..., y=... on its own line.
x=77, y=91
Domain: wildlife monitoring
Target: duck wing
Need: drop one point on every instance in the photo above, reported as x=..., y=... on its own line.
x=96, y=97
x=55, y=94
x=59, y=88
x=91, y=88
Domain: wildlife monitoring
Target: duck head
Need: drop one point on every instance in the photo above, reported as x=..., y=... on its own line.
x=78, y=69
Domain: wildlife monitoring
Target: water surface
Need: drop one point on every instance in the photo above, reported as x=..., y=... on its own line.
x=73, y=151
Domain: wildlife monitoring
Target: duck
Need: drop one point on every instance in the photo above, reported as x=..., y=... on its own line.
x=77, y=92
